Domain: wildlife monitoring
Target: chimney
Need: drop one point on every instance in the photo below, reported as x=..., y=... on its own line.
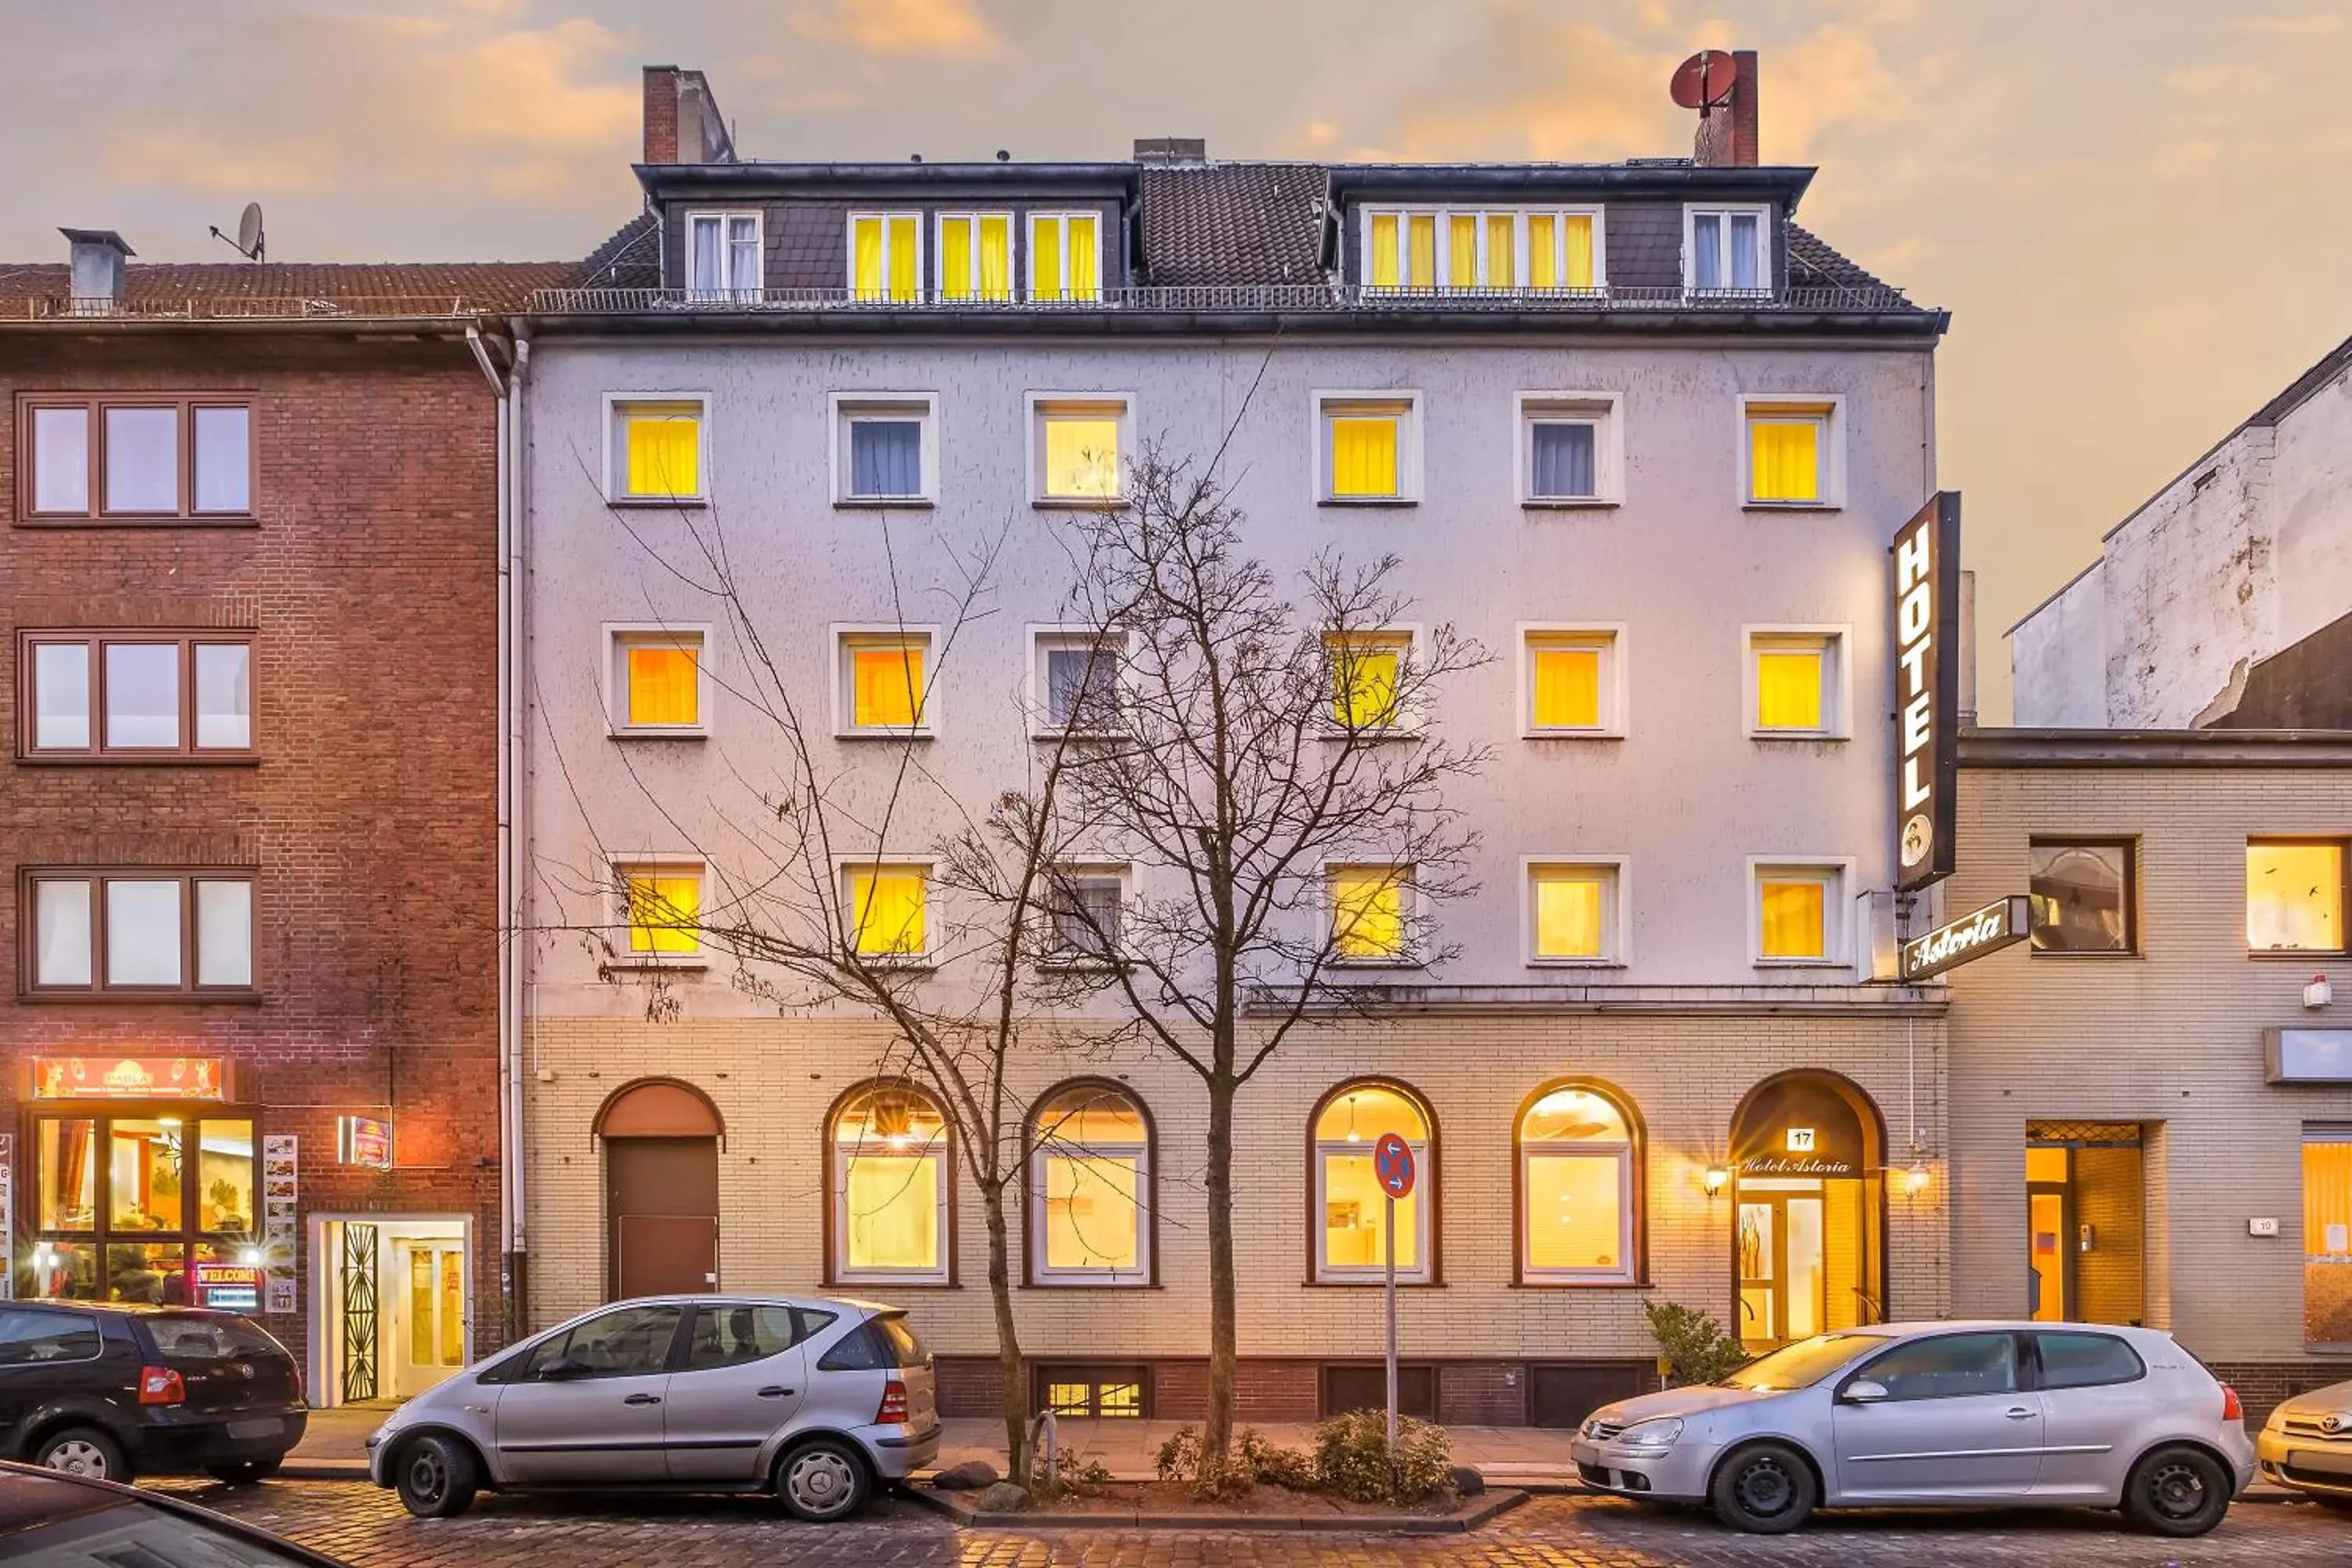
x=1726, y=131
x=1172, y=150
x=683, y=124
x=98, y=256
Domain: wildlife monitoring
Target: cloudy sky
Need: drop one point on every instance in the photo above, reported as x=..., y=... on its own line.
x=2132, y=206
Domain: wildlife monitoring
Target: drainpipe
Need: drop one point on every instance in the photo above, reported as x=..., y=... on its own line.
x=513, y=1244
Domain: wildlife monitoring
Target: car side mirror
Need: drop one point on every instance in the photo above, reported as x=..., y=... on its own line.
x=562, y=1367
x=1862, y=1391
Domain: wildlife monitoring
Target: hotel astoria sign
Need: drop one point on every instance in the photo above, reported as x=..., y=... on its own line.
x=1974, y=935
x=1926, y=593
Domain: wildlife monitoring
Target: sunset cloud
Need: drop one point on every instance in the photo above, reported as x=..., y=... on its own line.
x=953, y=29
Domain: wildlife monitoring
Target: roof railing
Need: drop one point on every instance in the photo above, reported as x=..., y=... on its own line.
x=1223, y=297
x=270, y=308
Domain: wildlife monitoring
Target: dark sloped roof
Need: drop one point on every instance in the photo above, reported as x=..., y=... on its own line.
x=630, y=259
x=232, y=288
x=1233, y=223
x=1813, y=263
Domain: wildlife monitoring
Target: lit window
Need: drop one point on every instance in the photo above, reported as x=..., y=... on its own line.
x=1795, y=685
x=1352, y=1239
x=1369, y=446
x=665, y=911
x=1077, y=449
x=886, y=447
x=657, y=678
x=1065, y=257
x=1790, y=453
x=1726, y=250
x=1571, y=682
x=143, y=458
x=657, y=450
x=1576, y=1189
x=1799, y=913
x=722, y=253
x=1078, y=679
x=143, y=931
x=883, y=689
x=2328, y=1235
x=185, y=695
x=1082, y=907
x=886, y=910
x=2083, y=896
x=1573, y=912
x=1445, y=247
x=2294, y=896
x=885, y=257
x=890, y=1188
x=1089, y=1181
x=1367, y=668
x=1369, y=908
x=976, y=255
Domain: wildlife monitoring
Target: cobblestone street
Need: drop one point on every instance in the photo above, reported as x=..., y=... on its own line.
x=368, y=1528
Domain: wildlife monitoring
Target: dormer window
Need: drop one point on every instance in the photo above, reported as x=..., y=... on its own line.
x=1519, y=248
x=723, y=252
x=1727, y=250
x=1065, y=257
x=885, y=257
x=976, y=255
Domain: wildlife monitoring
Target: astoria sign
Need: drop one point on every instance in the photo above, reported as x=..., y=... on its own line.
x=1987, y=930
x=1925, y=592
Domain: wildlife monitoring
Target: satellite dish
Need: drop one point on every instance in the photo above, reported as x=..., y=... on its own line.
x=1705, y=79
x=248, y=230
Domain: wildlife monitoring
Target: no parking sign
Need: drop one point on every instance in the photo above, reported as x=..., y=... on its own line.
x=1392, y=1165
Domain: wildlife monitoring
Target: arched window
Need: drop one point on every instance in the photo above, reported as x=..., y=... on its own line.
x=1089, y=1187
x=890, y=1178
x=1578, y=1188
x=1350, y=1221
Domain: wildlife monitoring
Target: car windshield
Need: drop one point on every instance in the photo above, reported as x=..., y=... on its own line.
x=1804, y=1363
x=133, y=1535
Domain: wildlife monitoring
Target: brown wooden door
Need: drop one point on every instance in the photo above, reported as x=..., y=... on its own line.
x=1563, y=1395
x=662, y=1203
x=1357, y=1385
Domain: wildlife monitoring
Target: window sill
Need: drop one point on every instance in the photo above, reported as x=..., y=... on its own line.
x=1576, y=964
x=649, y=732
x=1801, y=963
x=242, y=998
x=895, y=1282
x=1077, y=503
x=1571, y=734
x=243, y=519
x=657, y=503
x=926, y=733
x=2062, y=957
x=1083, y=965
x=898, y=963
x=1374, y=1282
x=1814, y=736
x=140, y=759
x=1374, y=965
x=1570, y=503
x=883, y=504
x=1374, y=734
x=1790, y=506
x=1092, y=1285
x=1526, y=1284
x=650, y=963
x=1094, y=736
x=1369, y=501
x=2295, y=954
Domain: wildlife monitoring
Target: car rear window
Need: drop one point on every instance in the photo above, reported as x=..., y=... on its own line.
x=2086, y=1361
x=880, y=1344
x=209, y=1338
x=29, y=1338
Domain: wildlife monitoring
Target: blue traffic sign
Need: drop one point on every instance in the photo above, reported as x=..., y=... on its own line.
x=1392, y=1165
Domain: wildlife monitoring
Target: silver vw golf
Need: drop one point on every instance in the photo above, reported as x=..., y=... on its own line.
x=814, y=1398
x=2000, y=1414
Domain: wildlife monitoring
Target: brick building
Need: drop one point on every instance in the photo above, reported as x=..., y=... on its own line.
x=249, y=829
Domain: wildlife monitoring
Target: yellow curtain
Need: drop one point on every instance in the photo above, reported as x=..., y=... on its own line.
x=1784, y=461
x=1568, y=917
x=1461, y=252
x=1044, y=257
x=1383, y=269
x=662, y=686
x=1368, y=912
x=886, y=910
x=1579, y=250
x=1364, y=454
x=866, y=258
x=893, y=1211
x=1082, y=458
x=906, y=251
x=995, y=257
x=664, y=455
x=1568, y=688
x=1502, y=247
x=887, y=687
x=662, y=912
x=2328, y=1199
x=1421, y=243
x=1794, y=921
x=1543, y=251
x=1788, y=690
x=955, y=258
x=1363, y=683
x=1086, y=260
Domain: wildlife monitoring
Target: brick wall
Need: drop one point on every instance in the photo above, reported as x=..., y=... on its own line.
x=370, y=585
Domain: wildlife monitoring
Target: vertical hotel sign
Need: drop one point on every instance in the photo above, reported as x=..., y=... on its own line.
x=1925, y=583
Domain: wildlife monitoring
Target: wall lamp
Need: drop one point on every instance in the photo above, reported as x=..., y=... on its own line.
x=1714, y=1179
x=1915, y=1180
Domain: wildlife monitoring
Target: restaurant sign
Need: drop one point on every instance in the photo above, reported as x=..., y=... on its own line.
x=364, y=1141
x=129, y=1077
x=1988, y=930
x=229, y=1286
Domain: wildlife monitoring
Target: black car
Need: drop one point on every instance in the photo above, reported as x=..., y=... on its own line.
x=110, y=1392
x=64, y=1522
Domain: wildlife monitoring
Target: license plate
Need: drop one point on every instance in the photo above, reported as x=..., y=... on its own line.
x=269, y=1429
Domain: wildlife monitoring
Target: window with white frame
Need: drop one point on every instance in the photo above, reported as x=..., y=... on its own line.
x=1368, y=447
x=1065, y=257
x=654, y=448
x=1798, y=912
x=1573, y=680
x=1082, y=910
x=1538, y=248
x=1371, y=676
x=657, y=681
x=143, y=932
x=1578, y=1160
x=1796, y=683
x=1350, y=1206
x=1078, y=448
x=1727, y=249
x=1791, y=452
x=1570, y=449
x=723, y=254
x=885, y=257
x=889, y=1179
x=1077, y=685
x=884, y=682
x=1575, y=912
x=1089, y=1188
x=975, y=253
x=661, y=904
x=886, y=909
x=1371, y=913
x=886, y=448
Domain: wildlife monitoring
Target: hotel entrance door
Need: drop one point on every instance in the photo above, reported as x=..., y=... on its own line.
x=1807, y=1210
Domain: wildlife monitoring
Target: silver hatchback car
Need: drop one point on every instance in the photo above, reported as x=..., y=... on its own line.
x=2000, y=1414
x=814, y=1398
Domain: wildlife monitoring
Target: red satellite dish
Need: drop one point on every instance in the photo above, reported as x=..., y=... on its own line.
x=1704, y=80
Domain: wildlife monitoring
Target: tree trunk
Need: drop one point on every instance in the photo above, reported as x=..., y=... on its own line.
x=1217, y=1433
x=1012, y=1376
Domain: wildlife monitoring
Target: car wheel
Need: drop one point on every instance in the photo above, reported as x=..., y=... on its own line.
x=435, y=1477
x=821, y=1480
x=1767, y=1488
x=2176, y=1491
x=246, y=1472
x=83, y=1451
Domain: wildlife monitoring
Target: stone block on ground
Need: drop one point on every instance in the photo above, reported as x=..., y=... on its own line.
x=971, y=1476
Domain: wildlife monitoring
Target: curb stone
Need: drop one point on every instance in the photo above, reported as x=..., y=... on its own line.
x=1480, y=1510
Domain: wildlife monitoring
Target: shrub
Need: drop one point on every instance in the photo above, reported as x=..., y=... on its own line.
x=1074, y=1476
x=1180, y=1457
x=1272, y=1465
x=1696, y=1348
x=1352, y=1458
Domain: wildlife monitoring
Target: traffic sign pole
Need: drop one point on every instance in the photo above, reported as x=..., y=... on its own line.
x=1392, y=1168
x=1390, y=1250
